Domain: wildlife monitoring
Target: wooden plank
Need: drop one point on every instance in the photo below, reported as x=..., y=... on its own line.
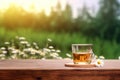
x=51, y=65
x=56, y=70
x=59, y=74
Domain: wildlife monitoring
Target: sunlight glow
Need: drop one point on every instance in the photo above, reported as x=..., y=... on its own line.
x=38, y=5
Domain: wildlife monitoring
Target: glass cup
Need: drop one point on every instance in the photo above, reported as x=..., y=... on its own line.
x=82, y=53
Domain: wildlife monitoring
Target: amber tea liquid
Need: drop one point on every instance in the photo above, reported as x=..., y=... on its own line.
x=81, y=57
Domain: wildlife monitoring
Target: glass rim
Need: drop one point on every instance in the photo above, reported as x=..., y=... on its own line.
x=82, y=44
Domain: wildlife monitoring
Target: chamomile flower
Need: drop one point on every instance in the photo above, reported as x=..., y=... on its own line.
x=58, y=51
x=20, y=48
x=4, y=52
x=21, y=38
x=53, y=50
x=42, y=54
x=68, y=55
x=3, y=48
x=46, y=50
x=28, y=45
x=34, y=43
x=7, y=43
x=49, y=40
x=2, y=55
x=51, y=47
x=15, y=51
x=24, y=42
x=10, y=48
x=101, y=57
x=54, y=55
x=99, y=63
x=14, y=56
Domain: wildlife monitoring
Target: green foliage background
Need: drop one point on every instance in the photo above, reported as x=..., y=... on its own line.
x=102, y=29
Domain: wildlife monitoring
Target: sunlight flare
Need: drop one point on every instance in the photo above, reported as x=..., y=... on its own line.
x=31, y=5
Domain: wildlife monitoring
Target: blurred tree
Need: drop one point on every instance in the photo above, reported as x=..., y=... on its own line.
x=67, y=18
x=67, y=12
x=15, y=16
x=11, y=16
x=1, y=18
x=58, y=8
x=41, y=21
x=52, y=19
x=107, y=19
x=82, y=22
x=59, y=17
x=60, y=20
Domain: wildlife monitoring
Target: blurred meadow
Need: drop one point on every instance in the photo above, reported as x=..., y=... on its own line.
x=99, y=27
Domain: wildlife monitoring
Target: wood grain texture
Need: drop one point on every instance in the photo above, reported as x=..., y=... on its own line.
x=55, y=70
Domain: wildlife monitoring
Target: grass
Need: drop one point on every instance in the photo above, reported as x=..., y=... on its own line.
x=63, y=41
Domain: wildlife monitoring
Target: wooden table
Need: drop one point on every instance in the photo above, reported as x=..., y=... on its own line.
x=55, y=70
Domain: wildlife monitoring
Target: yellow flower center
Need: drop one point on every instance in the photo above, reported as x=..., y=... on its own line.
x=99, y=62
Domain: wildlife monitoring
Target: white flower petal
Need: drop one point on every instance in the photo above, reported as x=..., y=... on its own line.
x=2, y=48
x=4, y=52
x=24, y=42
x=54, y=55
x=42, y=54
x=58, y=51
x=2, y=55
x=50, y=47
x=99, y=63
x=34, y=43
x=15, y=51
x=7, y=43
x=21, y=38
x=53, y=50
x=68, y=55
x=101, y=57
x=45, y=50
x=49, y=40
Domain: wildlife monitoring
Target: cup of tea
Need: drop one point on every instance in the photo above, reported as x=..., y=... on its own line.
x=82, y=53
